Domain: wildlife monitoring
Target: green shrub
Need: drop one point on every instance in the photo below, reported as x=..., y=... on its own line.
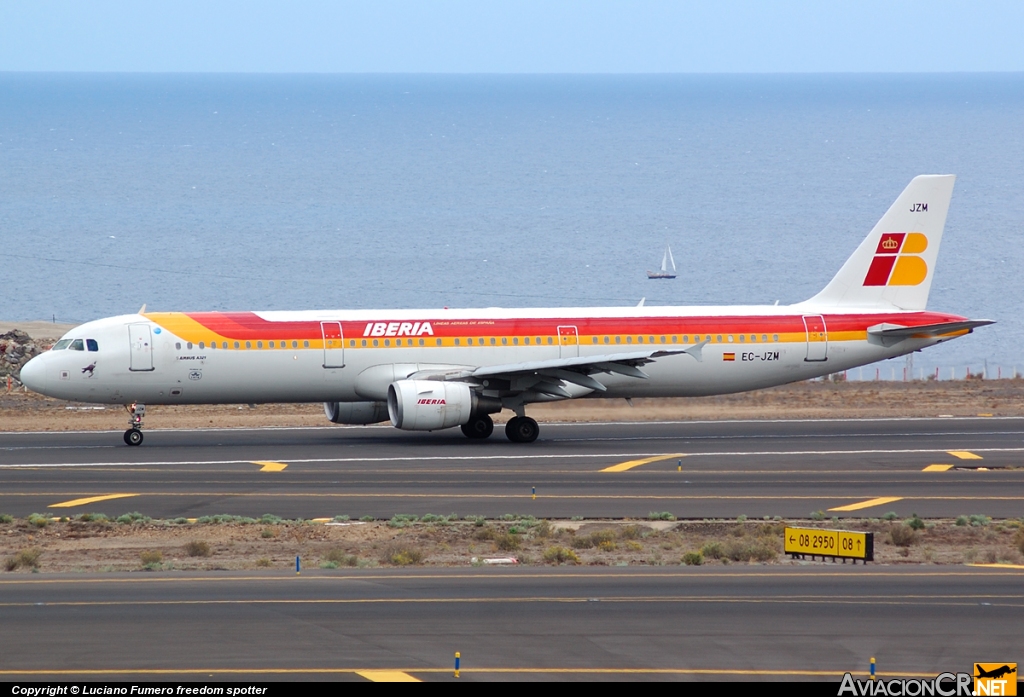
x=341, y=519
x=180, y=521
x=915, y=522
x=693, y=559
x=891, y=515
x=962, y=520
x=151, y=557
x=340, y=558
x=757, y=549
x=477, y=520
x=902, y=535
x=632, y=532
x=39, y=520
x=367, y=519
x=268, y=533
x=401, y=555
x=979, y=520
x=741, y=518
x=328, y=565
x=268, y=519
x=560, y=555
x=507, y=542
x=10, y=564
x=263, y=562
x=663, y=515
x=401, y=520
x=198, y=548
x=818, y=515
x=713, y=550
x=135, y=517
x=543, y=529
x=4, y=518
x=26, y=558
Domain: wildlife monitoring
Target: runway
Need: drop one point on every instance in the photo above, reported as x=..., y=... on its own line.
x=940, y=467
x=522, y=624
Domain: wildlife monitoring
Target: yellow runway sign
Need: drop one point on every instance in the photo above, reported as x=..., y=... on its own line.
x=840, y=544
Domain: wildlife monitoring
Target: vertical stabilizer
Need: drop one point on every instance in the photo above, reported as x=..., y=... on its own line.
x=894, y=265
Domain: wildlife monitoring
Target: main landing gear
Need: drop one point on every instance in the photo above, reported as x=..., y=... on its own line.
x=522, y=429
x=133, y=436
x=480, y=426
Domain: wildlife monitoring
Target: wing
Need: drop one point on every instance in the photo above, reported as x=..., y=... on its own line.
x=552, y=377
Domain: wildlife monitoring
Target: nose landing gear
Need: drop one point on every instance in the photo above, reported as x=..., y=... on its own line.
x=133, y=436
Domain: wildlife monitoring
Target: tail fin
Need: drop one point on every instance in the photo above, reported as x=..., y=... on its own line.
x=894, y=265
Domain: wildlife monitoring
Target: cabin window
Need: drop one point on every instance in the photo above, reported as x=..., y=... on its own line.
x=551, y=340
x=236, y=344
x=618, y=340
x=456, y=342
x=248, y=345
x=742, y=338
x=438, y=342
x=259, y=344
x=213, y=344
x=594, y=340
x=188, y=346
x=606, y=340
x=663, y=340
x=719, y=338
x=515, y=340
x=629, y=340
x=764, y=338
x=61, y=345
x=351, y=342
x=539, y=342
x=224, y=344
x=730, y=338
x=421, y=342
x=651, y=339
x=639, y=340
x=177, y=345
x=92, y=345
x=469, y=341
x=753, y=338
x=775, y=337
x=376, y=343
x=387, y=342
x=527, y=341
x=674, y=340
x=492, y=341
x=364, y=342
x=202, y=344
x=269, y=345
x=504, y=341
x=305, y=344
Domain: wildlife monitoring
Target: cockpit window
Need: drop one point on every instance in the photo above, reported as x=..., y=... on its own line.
x=92, y=345
x=77, y=345
x=61, y=345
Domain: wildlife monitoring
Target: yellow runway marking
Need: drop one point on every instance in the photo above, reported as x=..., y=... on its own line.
x=964, y=454
x=937, y=468
x=266, y=466
x=999, y=566
x=870, y=503
x=387, y=676
x=91, y=499
x=630, y=464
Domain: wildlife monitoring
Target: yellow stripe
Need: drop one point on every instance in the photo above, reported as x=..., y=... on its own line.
x=999, y=566
x=267, y=466
x=868, y=504
x=964, y=454
x=630, y=464
x=937, y=468
x=91, y=499
x=387, y=677
x=541, y=671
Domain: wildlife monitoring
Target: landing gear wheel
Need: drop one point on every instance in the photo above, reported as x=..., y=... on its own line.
x=478, y=427
x=133, y=436
x=522, y=429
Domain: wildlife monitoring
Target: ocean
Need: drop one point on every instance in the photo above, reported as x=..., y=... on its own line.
x=235, y=192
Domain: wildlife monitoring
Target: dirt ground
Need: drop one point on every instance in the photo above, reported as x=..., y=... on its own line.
x=25, y=411
x=41, y=543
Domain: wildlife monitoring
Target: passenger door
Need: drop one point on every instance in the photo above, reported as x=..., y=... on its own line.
x=140, y=342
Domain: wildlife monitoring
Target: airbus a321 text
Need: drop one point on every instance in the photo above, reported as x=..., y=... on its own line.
x=434, y=369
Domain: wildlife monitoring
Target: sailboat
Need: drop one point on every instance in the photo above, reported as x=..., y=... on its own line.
x=666, y=261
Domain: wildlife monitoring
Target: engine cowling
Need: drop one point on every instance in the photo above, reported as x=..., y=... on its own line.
x=430, y=405
x=356, y=413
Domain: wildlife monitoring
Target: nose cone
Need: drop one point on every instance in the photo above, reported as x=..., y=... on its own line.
x=33, y=375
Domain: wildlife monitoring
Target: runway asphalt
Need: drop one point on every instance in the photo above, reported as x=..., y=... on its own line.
x=511, y=624
x=722, y=469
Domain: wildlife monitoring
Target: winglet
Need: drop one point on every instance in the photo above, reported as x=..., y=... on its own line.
x=142, y=310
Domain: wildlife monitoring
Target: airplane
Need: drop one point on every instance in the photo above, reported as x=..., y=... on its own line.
x=427, y=370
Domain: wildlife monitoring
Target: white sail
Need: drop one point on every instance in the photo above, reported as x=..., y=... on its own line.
x=668, y=252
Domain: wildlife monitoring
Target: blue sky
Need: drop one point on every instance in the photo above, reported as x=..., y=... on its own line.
x=548, y=36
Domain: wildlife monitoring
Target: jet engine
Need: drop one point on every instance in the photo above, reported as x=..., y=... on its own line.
x=430, y=405
x=356, y=413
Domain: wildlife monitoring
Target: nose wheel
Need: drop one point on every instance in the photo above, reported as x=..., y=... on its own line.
x=522, y=429
x=133, y=436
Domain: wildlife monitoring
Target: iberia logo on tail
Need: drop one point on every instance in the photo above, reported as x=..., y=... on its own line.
x=896, y=261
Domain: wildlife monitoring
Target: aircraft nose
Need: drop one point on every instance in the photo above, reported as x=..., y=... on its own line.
x=33, y=375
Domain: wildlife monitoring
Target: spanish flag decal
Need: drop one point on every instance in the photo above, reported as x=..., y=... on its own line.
x=728, y=356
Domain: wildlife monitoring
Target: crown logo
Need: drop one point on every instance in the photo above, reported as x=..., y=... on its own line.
x=890, y=244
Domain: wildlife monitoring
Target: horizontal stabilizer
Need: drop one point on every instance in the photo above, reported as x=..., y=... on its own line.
x=926, y=331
